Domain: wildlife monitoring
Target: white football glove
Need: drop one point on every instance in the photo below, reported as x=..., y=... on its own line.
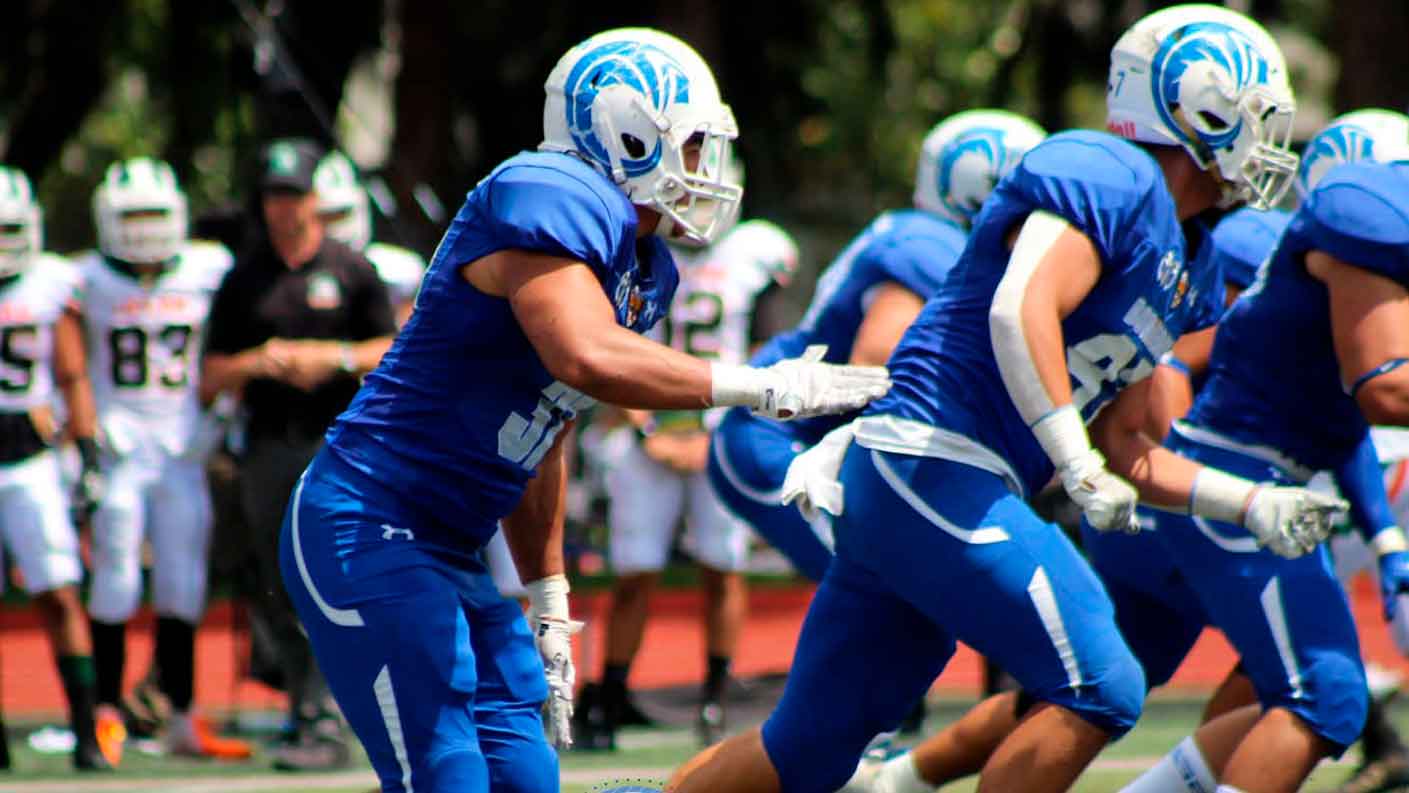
x=1107, y=501
x=812, y=477
x=552, y=634
x=1291, y=521
x=799, y=387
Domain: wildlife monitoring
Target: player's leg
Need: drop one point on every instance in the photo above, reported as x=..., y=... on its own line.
x=720, y=543
x=645, y=506
x=117, y=578
x=396, y=648
x=34, y=515
x=1291, y=624
x=1384, y=761
x=179, y=515
x=508, y=698
x=1016, y=590
x=863, y=656
x=748, y=458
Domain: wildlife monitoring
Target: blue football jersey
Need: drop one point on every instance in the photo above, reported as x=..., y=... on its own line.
x=1150, y=293
x=1244, y=239
x=910, y=247
x=1274, y=378
x=461, y=410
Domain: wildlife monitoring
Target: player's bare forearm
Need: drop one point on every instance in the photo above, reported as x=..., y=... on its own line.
x=573, y=328
x=631, y=371
x=1051, y=270
x=1163, y=478
x=71, y=377
x=534, y=530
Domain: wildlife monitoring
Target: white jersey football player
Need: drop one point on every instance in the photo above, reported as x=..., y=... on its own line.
x=347, y=216
x=41, y=351
x=660, y=479
x=146, y=294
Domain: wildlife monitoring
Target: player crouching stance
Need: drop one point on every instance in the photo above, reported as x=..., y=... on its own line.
x=530, y=311
x=994, y=382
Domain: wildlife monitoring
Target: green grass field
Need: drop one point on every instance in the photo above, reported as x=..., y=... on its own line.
x=645, y=757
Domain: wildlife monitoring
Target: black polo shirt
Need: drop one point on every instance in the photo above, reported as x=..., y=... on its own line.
x=334, y=295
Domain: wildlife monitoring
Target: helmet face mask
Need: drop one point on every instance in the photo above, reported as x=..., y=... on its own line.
x=1217, y=86
x=140, y=212
x=21, y=223
x=964, y=156
x=1363, y=135
x=343, y=205
x=633, y=102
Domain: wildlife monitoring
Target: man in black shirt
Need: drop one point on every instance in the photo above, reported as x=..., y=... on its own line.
x=294, y=325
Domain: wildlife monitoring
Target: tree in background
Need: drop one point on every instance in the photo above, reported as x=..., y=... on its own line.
x=833, y=95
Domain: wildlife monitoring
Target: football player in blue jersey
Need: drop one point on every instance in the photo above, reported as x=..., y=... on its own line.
x=1156, y=613
x=1324, y=293
x=531, y=310
x=993, y=385
x=864, y=301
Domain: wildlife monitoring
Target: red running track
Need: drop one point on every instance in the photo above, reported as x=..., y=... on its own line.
x=672, y=653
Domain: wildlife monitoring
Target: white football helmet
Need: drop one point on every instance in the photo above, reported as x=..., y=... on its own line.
x=1375, y=135
x=628, y=101
x=965, y=155
x=342, y=201
x=140, y=212
x=1213, y=81
x=21, y=222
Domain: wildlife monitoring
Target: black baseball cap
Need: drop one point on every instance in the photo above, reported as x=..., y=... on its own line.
x=287, y=165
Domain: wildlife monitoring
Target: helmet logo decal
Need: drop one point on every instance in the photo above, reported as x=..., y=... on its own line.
x=969, y=167
x=644, y=68
x=1218, y=51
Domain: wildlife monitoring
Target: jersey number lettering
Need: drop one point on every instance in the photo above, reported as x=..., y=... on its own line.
x=18, y=371
x=698, y=335
x=129, y=356
x=1101, y=361
x=526, y=441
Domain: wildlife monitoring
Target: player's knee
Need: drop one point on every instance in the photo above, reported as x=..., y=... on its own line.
x=1331, y=698
x=1113, y=699
x=819, y=752
x=527, y=766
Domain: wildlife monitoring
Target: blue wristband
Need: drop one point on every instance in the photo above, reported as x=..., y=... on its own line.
x=1172, y=361
x=1387, y=366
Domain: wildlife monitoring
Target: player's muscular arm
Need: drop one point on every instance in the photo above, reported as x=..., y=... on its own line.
x=534, y=530
x=892, y=309
x=1121, y=432
x=1052, y=269
x=1172, y=390
x=71, y=376
x=560, y=306
x=1370, y=328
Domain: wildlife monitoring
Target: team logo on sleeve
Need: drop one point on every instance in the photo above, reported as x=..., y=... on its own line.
x=1168, y=271
x=642, y=68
